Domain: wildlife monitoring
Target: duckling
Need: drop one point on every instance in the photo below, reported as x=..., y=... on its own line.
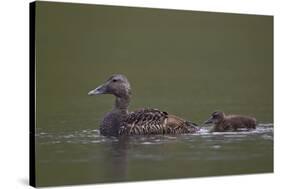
x=145, y=121
x=224, y=122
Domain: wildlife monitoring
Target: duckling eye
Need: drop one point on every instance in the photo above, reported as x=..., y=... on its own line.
x=114, y=80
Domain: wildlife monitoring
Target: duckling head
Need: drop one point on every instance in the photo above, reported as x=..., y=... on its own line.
x=215, y=118
x=117, y=85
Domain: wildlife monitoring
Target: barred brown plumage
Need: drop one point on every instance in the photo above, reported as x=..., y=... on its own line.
x=145, y=121
x=152, y=121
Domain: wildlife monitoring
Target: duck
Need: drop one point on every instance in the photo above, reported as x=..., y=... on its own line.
x=144, y=121
x=224, y=122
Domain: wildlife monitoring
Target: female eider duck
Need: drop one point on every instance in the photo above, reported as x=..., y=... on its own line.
x=224, y=122
x=145, y=121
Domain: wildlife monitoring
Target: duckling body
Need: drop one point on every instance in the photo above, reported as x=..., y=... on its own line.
x=224, y=122
x=146, y=121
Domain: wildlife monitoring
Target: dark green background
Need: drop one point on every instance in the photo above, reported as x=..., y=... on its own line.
x=184, y=62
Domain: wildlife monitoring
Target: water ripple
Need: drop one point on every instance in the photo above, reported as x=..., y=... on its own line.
x=89, y=136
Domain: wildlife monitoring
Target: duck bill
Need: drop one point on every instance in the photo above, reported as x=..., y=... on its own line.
x=99, y=90
x=210, y=120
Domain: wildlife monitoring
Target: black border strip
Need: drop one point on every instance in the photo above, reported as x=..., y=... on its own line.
x=32, y=180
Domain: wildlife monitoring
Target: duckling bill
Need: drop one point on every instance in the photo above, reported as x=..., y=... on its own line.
x=145, y=121
x=224, y=122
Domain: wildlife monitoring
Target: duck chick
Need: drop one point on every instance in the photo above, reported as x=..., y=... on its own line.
x=224, y=122
x=145, y=121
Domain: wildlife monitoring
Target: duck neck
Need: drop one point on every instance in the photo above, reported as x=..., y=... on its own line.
x=122, y=104
x=221, y=121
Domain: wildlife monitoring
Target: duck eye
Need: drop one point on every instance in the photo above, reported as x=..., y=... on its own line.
x=114, y=80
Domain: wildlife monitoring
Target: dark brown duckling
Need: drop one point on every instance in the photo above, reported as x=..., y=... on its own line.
x=146, y=121
x=224, y=122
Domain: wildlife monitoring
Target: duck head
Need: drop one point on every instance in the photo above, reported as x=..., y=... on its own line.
x=215, y=118
x=117, y=85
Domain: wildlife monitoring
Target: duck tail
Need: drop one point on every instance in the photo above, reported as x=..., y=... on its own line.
x=192, y=127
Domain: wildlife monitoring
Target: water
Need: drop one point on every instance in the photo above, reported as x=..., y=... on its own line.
x=84, y=156
x=186, y=63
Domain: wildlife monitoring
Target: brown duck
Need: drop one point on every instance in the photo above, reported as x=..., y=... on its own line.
x=224, y=122
x=146, y=121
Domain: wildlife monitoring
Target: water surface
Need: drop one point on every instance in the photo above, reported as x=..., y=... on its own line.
x=84, y=156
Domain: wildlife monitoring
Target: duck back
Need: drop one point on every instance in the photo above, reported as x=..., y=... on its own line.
x=153, y=121
x=235, y=122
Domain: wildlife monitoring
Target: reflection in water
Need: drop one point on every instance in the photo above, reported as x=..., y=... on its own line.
x=117, y=160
